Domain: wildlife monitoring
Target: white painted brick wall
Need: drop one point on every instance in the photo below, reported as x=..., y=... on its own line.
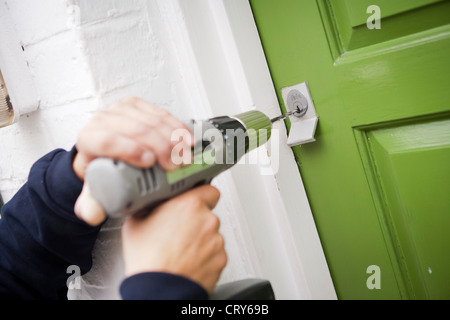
x=65, y=89
x=84, y=55
x=113, y=53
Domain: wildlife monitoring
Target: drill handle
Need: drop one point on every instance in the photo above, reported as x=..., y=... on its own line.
x=122, y=189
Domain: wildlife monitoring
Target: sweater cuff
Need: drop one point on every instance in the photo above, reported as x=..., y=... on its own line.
x=62, y=182
x=161, y=286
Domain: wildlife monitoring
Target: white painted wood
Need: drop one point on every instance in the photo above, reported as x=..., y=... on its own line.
x=228, y=74
x=14, y=67
x=265, y=215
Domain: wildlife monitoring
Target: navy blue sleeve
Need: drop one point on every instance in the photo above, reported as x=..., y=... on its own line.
x=161, y=286
x=40, y=236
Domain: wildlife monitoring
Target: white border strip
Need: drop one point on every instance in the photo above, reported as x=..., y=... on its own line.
x=218, y=47
x=14, y=67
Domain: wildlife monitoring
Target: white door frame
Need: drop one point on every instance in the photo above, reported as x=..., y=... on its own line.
x=14, y=68
x=222, y=61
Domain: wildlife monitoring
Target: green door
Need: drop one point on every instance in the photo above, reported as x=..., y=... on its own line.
x=378, y=175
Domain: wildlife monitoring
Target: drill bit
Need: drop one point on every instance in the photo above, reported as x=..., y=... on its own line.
x=284, y=116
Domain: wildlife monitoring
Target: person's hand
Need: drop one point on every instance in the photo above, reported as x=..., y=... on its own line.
x=180, y=237
x=133, y=131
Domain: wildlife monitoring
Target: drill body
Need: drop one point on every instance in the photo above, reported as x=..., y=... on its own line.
x=221, y=142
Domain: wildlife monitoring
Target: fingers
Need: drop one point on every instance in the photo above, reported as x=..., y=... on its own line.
x=143, y=111
x=133, y=131
x=153, y=111
x=102, y=143
x=180, y=237
x=140, y=134
x=88, y=209
x=206, y=194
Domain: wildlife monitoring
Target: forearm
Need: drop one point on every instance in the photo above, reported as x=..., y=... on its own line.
x=40, y=236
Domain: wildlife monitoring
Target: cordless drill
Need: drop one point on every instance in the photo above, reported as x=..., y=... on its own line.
x=122, y=189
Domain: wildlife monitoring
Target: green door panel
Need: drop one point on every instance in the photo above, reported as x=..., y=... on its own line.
x=359, y=182
x=399, y=18
x=409, y=161
x=357, y=9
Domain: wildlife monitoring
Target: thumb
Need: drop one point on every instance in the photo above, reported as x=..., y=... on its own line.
x=88, y=209
x=207, y=193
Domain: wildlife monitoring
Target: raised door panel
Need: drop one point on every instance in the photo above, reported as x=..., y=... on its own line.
x=410, y=175
x=363, y=182
x=398, y=18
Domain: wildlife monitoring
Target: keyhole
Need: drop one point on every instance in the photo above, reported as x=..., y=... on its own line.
x=301, y=109
x=297, y=101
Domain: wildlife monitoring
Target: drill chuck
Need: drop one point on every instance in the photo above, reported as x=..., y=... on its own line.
x=258, y=127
